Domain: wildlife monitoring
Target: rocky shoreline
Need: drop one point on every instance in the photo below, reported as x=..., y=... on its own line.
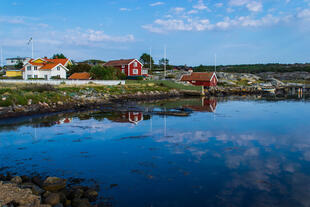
x=91, y=102
x=44, y=192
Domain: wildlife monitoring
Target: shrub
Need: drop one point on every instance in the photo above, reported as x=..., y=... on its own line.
x=106, y=73
x=39, y=87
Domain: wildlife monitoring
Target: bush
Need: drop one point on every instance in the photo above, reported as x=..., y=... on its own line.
x=39, y=87
x=56, y=77
x=106, y=73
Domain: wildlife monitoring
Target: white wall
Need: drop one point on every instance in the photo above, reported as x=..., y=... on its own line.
x=68, y=82
x=41, y=73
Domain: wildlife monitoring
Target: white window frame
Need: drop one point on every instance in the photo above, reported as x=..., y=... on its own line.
x=35, y=67
x=123, y=66
x=135, y=71
x=29, y=76
x=58, y=68
x=135, y=64
x=29, y=68
x=35, y=76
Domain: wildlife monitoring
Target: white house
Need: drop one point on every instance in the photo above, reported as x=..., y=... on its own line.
x=46, y=68
x=16, y=60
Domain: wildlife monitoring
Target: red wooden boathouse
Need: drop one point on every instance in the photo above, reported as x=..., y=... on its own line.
x=208, y=79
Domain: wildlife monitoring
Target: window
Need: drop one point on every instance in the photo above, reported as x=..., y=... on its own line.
x=135, y=71
x=28, y=67
x=35, y=68
x=35, y=76
x=12, y=61
x=45, y=77
x=123, y=66
x=58, y=68
x=135, y=64
x=29, y=76
x=123, y=70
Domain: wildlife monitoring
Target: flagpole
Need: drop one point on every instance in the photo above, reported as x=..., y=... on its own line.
x=165, y=62
x=32, y=48
x=150, y=58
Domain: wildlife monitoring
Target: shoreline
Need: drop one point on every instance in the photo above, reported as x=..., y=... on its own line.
x=81, y=103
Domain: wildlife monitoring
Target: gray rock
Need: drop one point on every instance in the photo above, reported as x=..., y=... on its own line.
x=37, y=190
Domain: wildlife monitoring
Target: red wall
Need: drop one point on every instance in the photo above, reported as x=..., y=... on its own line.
x=131, y=68
x=213, y=82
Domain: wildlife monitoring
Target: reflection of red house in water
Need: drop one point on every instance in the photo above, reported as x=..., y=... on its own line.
x=129, y=117
x=207, y=105
x=64, y=121
x=201, y=79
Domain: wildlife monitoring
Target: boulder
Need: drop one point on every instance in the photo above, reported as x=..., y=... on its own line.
x=91, y=195
x=37, y=190
x=53, y=199
x=17, y=180
x=54, y=184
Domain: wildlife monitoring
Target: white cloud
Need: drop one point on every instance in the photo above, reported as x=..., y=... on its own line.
x=178, y=9
x=201, y=6
x=304, y=14
x=218, y=5
x=193, y=11
x=157, y=3
x=124, y=9
x=255, y=6
x=197, y=24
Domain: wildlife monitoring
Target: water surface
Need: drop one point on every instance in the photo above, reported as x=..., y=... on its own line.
x=224, y=153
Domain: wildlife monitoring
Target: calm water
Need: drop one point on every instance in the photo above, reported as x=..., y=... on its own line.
x=225, y=153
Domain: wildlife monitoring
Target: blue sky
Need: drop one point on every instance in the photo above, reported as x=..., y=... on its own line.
x=238, y=31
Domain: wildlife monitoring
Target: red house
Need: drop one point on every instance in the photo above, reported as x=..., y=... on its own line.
x=131, y=67
x=201, y=79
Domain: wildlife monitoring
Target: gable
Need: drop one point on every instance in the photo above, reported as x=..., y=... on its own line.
x=39, y=60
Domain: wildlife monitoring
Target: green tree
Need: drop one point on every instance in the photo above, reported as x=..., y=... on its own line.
x=146, y=60
x=162, y=61
x=106, y=73
x=19, y=65
x=78, y=68
x=59, y=56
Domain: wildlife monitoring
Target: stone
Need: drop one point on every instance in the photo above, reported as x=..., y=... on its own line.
x=25, y=179
x=58, y=205
x=37, y=190
x=17, y=180
x=91, y=195
x=77, y=202
x=54, y=184
x=53, y=199
x=37, y=180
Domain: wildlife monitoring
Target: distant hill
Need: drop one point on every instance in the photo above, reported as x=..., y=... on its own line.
x=93, y=62
x=256, y=68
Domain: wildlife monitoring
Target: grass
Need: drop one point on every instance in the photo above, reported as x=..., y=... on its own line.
x=20, y=94
x=165, y=83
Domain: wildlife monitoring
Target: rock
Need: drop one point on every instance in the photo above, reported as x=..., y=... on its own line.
x=37, y=190
x=60, y=103
x=54, y=184
x=45, y=205
x=29, y=102
x=37, y=180
x=53, y=199
x=25, y=179
x=58, y=205
x=91, y=195
x=17, y=180
x=77, y=202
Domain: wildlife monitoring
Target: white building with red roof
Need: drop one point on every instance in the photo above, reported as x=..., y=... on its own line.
x=46, y=68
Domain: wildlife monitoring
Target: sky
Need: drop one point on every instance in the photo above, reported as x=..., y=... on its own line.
x=193, y=31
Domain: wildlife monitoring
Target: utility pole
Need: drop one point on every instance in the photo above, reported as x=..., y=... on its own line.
x=1, y=65
x=150, y=58
x=215, y=62
x=165, y=61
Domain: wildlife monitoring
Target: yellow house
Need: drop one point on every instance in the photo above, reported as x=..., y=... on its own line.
x=13, y=73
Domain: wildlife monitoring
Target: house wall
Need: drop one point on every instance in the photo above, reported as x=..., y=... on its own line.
x=13, y=73
x=132, y=68
x=42, y=73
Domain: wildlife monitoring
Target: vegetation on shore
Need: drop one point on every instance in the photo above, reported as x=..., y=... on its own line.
x=27, y=94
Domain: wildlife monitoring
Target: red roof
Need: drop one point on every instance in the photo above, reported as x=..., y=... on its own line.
x=198, y=77
x=80, y=76
x=48, y=64
x=118, y=62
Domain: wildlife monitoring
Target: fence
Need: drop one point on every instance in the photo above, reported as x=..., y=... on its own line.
x=68, y=82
